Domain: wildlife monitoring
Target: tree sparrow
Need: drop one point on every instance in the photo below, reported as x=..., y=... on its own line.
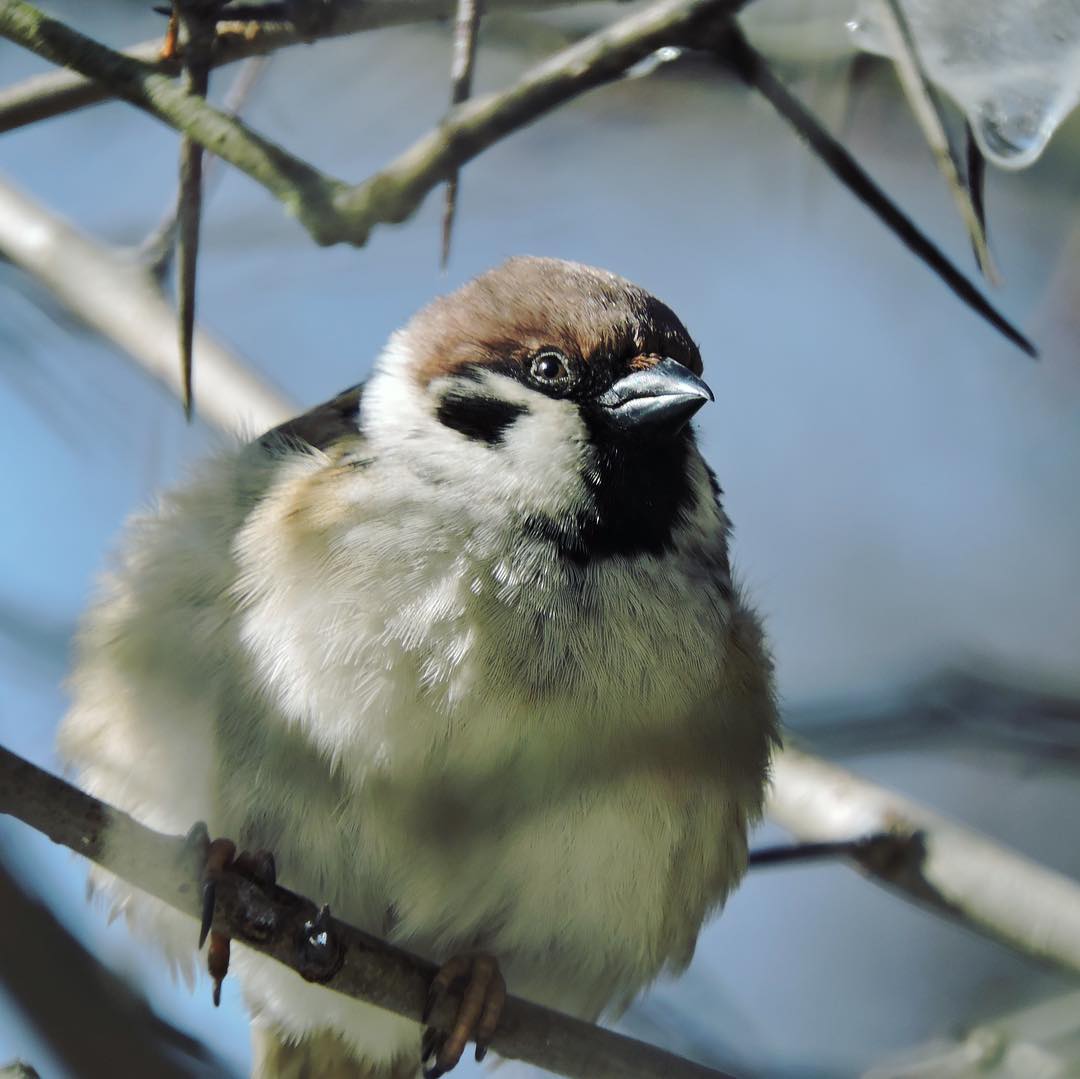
x=462, y=648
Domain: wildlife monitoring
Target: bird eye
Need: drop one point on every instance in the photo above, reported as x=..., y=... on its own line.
x=549, y=366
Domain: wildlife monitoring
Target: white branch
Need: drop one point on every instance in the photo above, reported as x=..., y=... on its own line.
x=118, y=297
x=952, y=870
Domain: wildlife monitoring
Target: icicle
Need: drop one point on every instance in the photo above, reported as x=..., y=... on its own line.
x=1013, y=66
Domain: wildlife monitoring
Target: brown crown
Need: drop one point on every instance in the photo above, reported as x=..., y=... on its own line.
x=526, y=303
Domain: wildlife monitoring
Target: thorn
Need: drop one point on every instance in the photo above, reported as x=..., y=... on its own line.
x=752, y=69
x=201, y=29
x=188, y=253
x=466, y=28
x=449, y=210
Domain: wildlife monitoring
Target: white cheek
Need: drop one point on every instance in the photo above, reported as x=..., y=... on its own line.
x=535, y=468
x=546, y=449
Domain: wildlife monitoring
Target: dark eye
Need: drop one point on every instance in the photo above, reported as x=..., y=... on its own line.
x=549, y=366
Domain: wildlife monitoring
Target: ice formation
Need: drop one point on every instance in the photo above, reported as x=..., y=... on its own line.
x=1013, y=66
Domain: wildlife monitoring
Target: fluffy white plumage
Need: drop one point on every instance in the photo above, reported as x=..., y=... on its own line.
x=357, y=657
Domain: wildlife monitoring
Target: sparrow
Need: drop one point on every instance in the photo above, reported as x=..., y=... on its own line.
x=461, y=648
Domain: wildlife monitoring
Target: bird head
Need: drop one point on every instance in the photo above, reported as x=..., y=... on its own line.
x=559, y=390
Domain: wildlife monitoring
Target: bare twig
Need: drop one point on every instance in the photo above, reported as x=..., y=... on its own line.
x=466, y=28
x=925, y=108
x=755, y=72
x=304, y=190
x=56, y=93
x=950, y=869
x=364, y=967
x=120, y=299
x=871, y=848
x=333, y=211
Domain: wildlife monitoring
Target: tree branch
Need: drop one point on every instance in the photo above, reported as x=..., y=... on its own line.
x=365, y=967
x=305, y=191
x=56, y=93
x=752, y=68
x=946, y=867
x=334, y=211
x=331, y=210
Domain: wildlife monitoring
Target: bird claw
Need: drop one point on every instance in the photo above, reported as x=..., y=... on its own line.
x=482, y=1000
x=209, y=898
x=219, y=856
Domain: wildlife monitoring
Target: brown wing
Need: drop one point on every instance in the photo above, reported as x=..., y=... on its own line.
x=321, y=426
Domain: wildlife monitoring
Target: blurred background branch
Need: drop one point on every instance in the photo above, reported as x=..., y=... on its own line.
x=951, y=869
x=93, y=1022
x=120, y=298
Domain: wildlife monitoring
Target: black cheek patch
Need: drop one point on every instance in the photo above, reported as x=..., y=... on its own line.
x=481, y=418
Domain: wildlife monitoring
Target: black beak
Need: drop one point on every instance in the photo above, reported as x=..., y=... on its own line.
x=660, y=399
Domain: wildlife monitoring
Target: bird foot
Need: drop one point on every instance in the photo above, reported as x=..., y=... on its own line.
x=258, y=872
x=482, y=1000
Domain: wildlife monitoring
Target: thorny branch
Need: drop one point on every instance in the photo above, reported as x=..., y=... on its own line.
x=330, y=209
x=156, y=251
x=363, y=966
x=56, y=93
x=334, y=211
x=755, y=72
